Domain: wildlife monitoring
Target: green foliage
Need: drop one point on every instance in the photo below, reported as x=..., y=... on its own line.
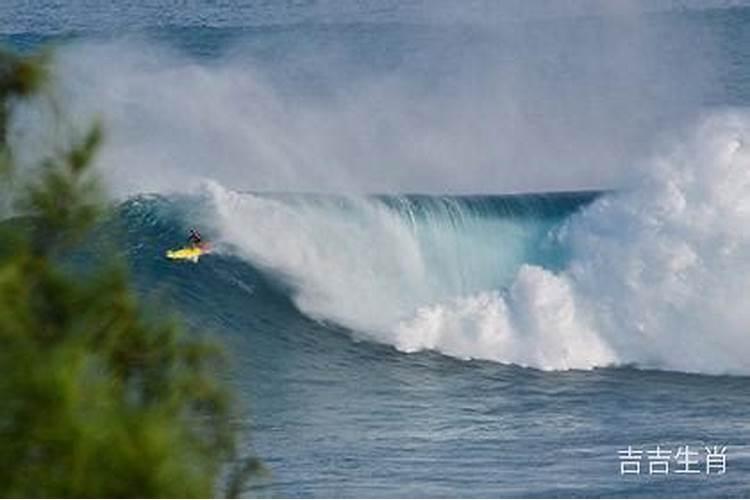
x=66, y=200
x=20, y=77
x=96, y=400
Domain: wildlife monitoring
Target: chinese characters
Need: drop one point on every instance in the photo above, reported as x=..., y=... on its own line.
x=683, y=460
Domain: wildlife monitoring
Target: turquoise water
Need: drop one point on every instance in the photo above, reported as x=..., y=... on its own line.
x=463, y=341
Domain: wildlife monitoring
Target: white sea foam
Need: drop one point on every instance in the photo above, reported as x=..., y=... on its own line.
x=659, y=275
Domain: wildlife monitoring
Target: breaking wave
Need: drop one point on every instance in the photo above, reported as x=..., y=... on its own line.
x=651, y=276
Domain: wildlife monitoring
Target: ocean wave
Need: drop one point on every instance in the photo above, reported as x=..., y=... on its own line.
x=651, y=276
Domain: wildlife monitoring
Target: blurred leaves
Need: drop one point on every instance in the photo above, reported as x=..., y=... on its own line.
x=66, y=199
x=20, y=77
x=97, y=401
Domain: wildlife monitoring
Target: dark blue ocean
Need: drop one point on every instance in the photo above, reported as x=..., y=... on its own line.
x=461, y=249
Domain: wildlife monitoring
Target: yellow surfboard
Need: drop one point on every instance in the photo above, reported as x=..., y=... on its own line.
x=187, y=253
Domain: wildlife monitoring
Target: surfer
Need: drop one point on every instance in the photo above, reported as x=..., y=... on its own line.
x=194, y=238
x=196, y=247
